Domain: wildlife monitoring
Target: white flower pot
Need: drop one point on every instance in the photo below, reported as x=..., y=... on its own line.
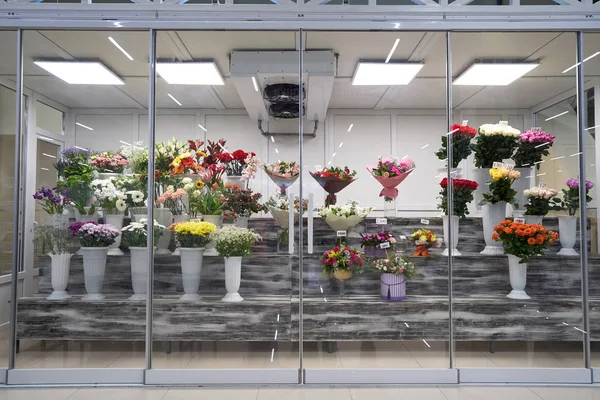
x=242, y=222
x=233, y=278
x=482, y=177
x=518, y=278
x=85, y=217
x=210, y=247
x=60, y=266
x=492, y=215
x=139, y=272
x=60, y=219
x=567, y=234
x=179, y=218
x=108, y=175
x=455, y=225
x=236, y=180
x=94, y=267
x=164, y=217
x=115, y=220
x=534, y=219
x=191, y=268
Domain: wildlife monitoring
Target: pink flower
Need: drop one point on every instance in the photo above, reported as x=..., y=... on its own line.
x=392, y=240
x=386, y=174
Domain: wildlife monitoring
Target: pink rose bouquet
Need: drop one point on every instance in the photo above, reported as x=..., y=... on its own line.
x=390, y=172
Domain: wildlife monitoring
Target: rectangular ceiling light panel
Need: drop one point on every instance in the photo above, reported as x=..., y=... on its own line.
x=497, y=74
x=381, y=74
x=190, y=73
x=81, y=72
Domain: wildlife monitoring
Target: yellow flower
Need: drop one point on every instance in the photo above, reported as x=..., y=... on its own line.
x=195, y=228
x=203, y=154
x=199, y=184
x=176, y=162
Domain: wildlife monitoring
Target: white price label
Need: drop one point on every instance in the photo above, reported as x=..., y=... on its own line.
x=384, y=245
x=509, y=167
x=381, y=221
x=497, y=164
x=425, y=221
x=542, y=185
x=520, y=220
x=465, y=122
x=536, y=129
x=402, y=237
x=455, y=175
x=341, y=233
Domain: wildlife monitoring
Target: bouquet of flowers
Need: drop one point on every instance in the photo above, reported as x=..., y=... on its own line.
x=166, y=152
x=344, y=217
x=235, y=162
x=283, y=174
x=570, y=199
x=252, y=163
x=54, y=200
x=109, y=162
x=136, y=233
x=173, y=200
x=137, y=157
x=233, y=241
x=424, y=239
x=185, y=163
x=463, y=195
x=501, y=186
x=531, y=148
x=523, y=240
x=394, y=264
x=494, y=142
x=279, y=208
x=342, y=262
x=390, y=172
x=94, y=234
x=109, y=198
x=333, y=180
x=75, y=173
x=539, y=200
x=242, y=202
x=377, y=244
x=194, y=234
x=461, y=144
x=206, y=202
x=208, y=158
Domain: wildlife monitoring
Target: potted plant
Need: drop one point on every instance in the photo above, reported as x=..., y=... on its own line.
x=521, y=241
x=242, y=202
x=333, y=180
x=112, y=202
x=76, y=173
x=341, y=262
x=135, y=237
x=424, y=240
x=538, y=203
x=54, y=201
x=283, y=174
x=58, y=240
x=567, y=224
x=233, y=243
x=462, y=195
x=108, y=164
x=395, y=271
x=461, y=144
x=235, y=164
x=344, y=217
x=390, y=172
x=377, y=244
x=494, y=204
x=95, y=239
x=192, y=238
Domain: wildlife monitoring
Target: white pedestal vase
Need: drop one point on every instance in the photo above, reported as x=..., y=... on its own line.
x=567, y=234
x=179, y=218
x=164, y=217
x=492, y=215
x=191, y=268
x=94, y=267
x=139, y=272
x=60, y=266
x=115, y=220
x=534, y=219
x=242, y=222
x=455, y=225
x=210, y=248
x=482, y=177
x=518, y=278
x=233, y=278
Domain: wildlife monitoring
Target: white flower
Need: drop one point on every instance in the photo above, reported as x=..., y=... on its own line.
x=527, y=192
x=136, y=196
x=187, y=181
x=196, y=193
x=121, y=205
x=188, y=186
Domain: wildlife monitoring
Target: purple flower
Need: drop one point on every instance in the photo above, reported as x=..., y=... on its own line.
x=589, y=185
x=573, y=183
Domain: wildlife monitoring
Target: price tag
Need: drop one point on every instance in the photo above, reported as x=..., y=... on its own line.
x=509, y=167
x=455, y=175
x=497, y=164
x=384, y=245
x=520, y=220
x=424, y=221
x=381, y=221
x=504, y=123
x=402, y=237
x=536, y=129
x=542, y=185
x=341, y=233
x=465, y=122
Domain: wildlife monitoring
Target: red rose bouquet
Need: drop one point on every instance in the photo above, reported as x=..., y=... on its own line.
x=461, y=144
x=235, y=162
x=333, y=180
x=463, y=195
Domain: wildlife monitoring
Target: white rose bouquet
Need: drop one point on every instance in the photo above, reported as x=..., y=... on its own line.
x=538, y=200
x=494, y=142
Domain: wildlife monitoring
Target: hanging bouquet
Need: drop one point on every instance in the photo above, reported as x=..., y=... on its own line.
x=235, y=162
x=208, y=158
x=570, y=199
x=75, y=174
x=394, y=264
x=375, y=240
x=109, y=198
x=233, y=241
x=533, y=145
x=463, y=195
x=390, y=172
x=137, y=157
x=173, y=200
x=94, y=234
x=136, y=233
x=344, y=217
x=494, y=142
x=523, y=240
x=333, y=180
x=342, y=258
x=461, y=144
x=279, y=208
x=193, y=234
x=54, y=200
x=283, y=174
x=109, y=162
x=252, y=164
x=243, y=202
x=539, y=200
x=424, y=240
x=501, y=186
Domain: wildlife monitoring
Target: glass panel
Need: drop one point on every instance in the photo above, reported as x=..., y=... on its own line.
x=376, y=319
x=207, y=312
x=95, y=323
x=509, y=314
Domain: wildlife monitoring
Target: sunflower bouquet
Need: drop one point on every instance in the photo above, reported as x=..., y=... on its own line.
x=523, y=240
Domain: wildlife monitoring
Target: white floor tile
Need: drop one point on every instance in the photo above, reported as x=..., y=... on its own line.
x=210, y=394
x=119, y=394
x=562, y=393
x=397, y=393
x=36, y=394
x=304, y=394
x=488, y=393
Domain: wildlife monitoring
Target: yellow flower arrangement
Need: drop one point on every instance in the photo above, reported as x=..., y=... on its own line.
x=194, y=234
x=500, y=188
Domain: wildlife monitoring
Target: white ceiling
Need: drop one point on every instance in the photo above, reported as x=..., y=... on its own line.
x=555, y=52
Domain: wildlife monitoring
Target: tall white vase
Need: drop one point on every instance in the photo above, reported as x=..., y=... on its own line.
x=567, y=234
x=482, y=177
x=60, y=266
x=518, y=278
x=139, y=272
x=164, y=217
x=108, y=175
x=455, y=224
x=233, y=278
x=210, y=248
x=534, y=219
x=94, y=267
x=191, y=269
x=179, y=218
x=115, y=220
x=492, y=215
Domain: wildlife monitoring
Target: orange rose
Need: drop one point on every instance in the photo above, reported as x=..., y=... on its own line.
x=508, y=231
x=495, y=236
x=531, y=241
x=539, y=240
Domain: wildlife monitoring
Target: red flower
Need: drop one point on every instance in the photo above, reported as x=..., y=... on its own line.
x=463, y=130
x=239, y=155
x=444, y=183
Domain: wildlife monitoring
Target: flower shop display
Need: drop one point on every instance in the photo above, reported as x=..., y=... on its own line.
x=75, y=174
x=538, y=203
x=341, y=262
x=192, y=238
x=235, y=163
x=58, y=239
x=494, y=203
x=377, y=244
x=344, y=217
x=136, y=155
x=521, y=241
x=95, y=239
x=54, y=202
x=390, y=172
x=283, y=174
x=108, y=164
x=173, y=200
x=424, y=240
x=567, y=224
x=242, y=202
x=462, y=195
x=233, y=243
x=531, y=148
x=207, y=157
x=112, y=202
x=395, y=271
x=187, y=162
x=461, y=144
x=135, y=237
x=333, y=180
